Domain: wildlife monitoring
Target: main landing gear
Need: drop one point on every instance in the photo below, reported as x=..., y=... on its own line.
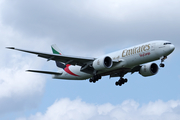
x=95, y=78
x=121, y=81
x=162, y=60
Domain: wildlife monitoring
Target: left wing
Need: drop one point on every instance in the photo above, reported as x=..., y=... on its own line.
x=73, y=60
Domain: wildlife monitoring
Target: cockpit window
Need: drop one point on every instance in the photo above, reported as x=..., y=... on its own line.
x=166, y=43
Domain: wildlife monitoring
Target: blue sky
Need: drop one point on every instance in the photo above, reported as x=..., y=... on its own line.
x=86, y=28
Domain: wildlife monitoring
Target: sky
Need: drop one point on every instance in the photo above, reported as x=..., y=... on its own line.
x=88, y=28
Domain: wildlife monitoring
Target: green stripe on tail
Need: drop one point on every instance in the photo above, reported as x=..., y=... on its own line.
x=55, y=49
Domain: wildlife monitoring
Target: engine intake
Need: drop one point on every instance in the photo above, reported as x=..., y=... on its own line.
x=149, y=69
x=102, y=63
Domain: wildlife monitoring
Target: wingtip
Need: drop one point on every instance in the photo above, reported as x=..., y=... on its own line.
x=10, y=47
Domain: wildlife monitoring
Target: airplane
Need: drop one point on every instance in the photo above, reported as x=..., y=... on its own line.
x=138, y=58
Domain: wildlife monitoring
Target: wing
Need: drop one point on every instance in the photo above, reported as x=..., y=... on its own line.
x=73, y=60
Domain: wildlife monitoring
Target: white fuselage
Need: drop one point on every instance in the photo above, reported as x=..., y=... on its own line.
x=128, y=58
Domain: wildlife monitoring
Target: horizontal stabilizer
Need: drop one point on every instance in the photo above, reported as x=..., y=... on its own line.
x=45, y=72
x=10, y=47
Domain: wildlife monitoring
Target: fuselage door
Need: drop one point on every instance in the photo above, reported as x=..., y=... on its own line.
x=153, y=46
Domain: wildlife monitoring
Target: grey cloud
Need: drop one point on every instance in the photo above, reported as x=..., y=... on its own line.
x=90, y=24
x=19, y=102
x=19, y=90
x=83, y=27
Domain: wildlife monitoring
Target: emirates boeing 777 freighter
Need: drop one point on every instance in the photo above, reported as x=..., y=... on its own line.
x=134, y=59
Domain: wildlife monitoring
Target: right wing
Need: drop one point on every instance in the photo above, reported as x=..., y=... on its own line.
x=85, y=62
x=73, y=60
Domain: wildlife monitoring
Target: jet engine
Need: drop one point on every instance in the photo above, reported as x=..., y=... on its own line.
x=102, y=63
x=149, y=69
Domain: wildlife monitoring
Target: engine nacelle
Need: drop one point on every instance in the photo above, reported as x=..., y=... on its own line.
x=102, y=63
x=149, y=69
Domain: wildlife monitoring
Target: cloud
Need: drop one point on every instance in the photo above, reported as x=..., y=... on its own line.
x=18, y=90
x=88, y=28
x=89, y=24
x=66, y=109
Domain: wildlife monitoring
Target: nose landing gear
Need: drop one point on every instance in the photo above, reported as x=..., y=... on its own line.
x=162, y=60
x=162, y=65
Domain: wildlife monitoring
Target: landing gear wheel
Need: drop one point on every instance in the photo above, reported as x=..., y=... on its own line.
x=125, y=80
x=94, y=78
x=120, y=82
x=90, y=80
x=94, y=81
x=162, y=65
x=117, y=83
x=162, y=60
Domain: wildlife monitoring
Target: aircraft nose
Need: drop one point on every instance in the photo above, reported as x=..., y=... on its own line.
x=172, y=47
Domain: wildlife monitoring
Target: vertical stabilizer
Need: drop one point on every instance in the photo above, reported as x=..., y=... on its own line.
x=55, y=49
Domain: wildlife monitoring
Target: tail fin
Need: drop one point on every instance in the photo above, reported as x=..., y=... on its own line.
x=55, y=49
